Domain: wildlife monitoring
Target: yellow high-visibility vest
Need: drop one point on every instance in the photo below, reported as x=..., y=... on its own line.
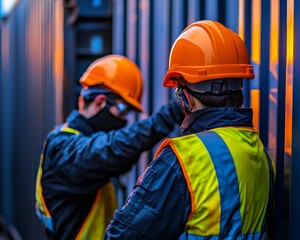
x=100, y=214
x=230, y=177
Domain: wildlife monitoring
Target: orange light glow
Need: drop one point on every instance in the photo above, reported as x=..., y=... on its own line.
x=289, y=77
x=58, y=60
x=242, y=19
x=256, y=28
x=256, y=17
x=273, y=67
x=274, y=38
x=255, y=104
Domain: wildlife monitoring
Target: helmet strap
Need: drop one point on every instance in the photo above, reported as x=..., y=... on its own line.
x=216, y=86
x=186, y=105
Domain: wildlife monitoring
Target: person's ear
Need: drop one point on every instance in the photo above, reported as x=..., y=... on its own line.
x=100, y=101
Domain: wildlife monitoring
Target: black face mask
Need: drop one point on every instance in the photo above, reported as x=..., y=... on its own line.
x=105, y=121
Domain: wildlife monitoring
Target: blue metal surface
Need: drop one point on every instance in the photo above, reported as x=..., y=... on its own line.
x=193, y=11
x=118, y=31
x=212, y=9
x=232, y=9
x=7, y=116
x=143, y=58
x=178, y=17
x=28, y=108
x=178, y=20
x=131, y=30
x=280, y=152
x=160, y=50
x=247, y=11
x=144, y=51
x=264, y=71
x=143, y=30
x=295, y=166
x=131, y=51
x=2, y=179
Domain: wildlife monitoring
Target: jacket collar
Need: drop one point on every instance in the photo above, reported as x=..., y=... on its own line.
x=209, y=118
x=76, y=121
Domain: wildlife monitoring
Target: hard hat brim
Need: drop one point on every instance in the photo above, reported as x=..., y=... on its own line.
x=200, y=74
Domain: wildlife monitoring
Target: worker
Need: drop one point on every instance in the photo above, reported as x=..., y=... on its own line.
x=217, y=180
x=75, y=197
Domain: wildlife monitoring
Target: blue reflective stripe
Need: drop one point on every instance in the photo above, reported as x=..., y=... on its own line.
x=271, y=184
x=47, y=221
x=231, y=223
x=252, y=236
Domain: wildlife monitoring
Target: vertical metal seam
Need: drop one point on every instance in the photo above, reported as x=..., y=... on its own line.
x=264, y=70
x=280, y=120
x=295, y=166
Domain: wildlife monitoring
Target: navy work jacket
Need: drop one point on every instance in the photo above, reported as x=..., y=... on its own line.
x=76, y=166
x=163, y=186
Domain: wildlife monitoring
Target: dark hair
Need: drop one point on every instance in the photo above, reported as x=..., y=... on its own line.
x=217, y=93
x=231, y=99
x=87, y=103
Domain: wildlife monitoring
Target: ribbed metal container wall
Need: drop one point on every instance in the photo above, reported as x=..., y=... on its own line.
x=144, y=31
x=27, y=108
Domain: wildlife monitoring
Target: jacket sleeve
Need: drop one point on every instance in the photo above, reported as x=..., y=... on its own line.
x=90, y=161
x=159, y=205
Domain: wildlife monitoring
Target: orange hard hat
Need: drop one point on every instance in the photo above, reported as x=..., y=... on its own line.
x=119, y=74
x=207, y=50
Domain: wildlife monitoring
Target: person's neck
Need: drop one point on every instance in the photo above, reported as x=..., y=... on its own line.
x=88, y=112
x=197, y=105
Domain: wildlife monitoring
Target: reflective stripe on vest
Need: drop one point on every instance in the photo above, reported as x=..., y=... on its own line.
x=219, y=167
x=252, y=236
x=100, y=214
x=40, y=205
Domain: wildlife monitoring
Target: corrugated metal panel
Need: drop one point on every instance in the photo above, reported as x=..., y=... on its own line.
x=118, y=30
x=131, y=30
x=273, y=97
x=279, y=119
x=212, y=9
x=295, y=166
x=178, y=17
x=255, y=59
x=232, y=9
x=144, y=30
x=28, y=105
x=269, y=94
x=264, y=70
x=1, y=123
x=179, y=12
x=132, y=51
x=193, y=11
x=160, y=49
x=143, y=59
x=245, y=31
x=7, y=121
